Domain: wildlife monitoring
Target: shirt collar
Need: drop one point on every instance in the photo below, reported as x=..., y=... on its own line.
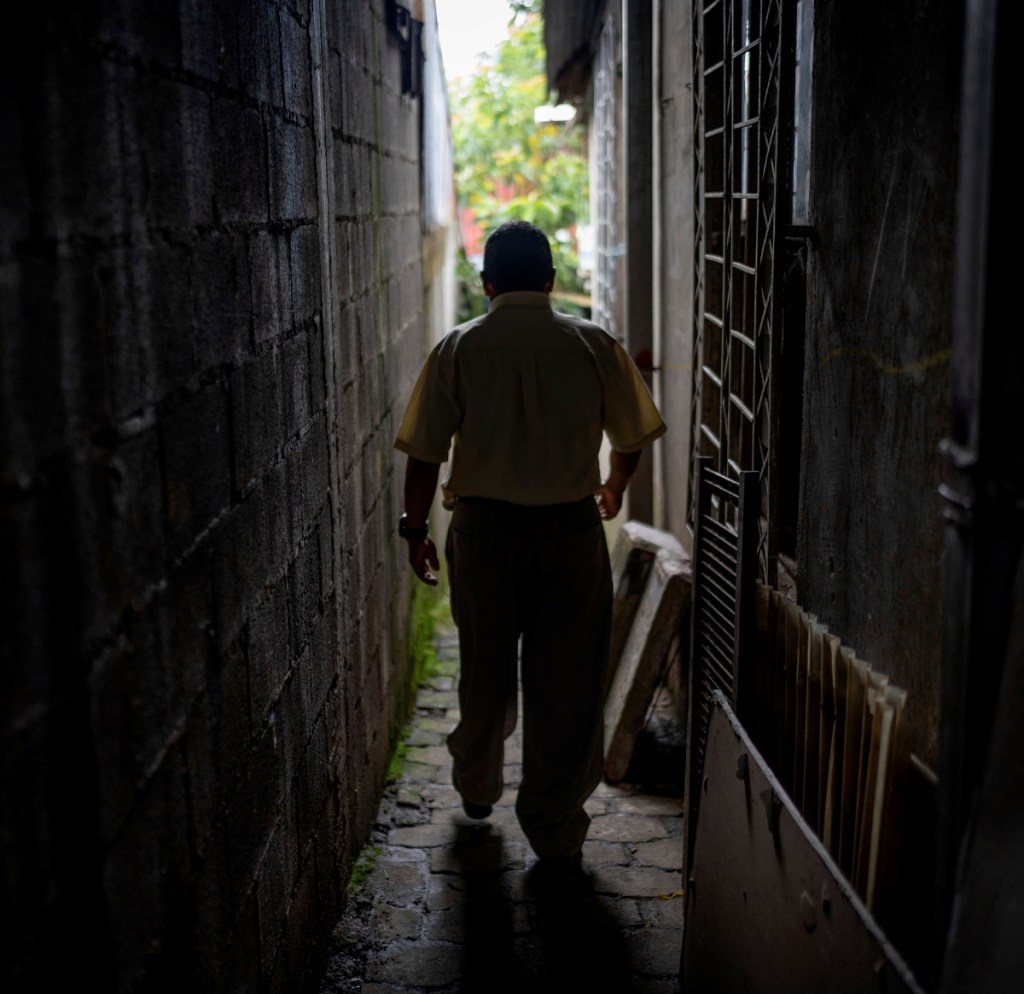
x=521, y=298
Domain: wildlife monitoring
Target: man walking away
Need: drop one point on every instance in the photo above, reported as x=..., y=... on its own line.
x=526, y=394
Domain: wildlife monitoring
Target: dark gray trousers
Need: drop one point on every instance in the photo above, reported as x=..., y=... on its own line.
x=542, y=575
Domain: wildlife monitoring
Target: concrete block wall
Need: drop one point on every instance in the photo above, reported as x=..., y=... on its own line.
x=212, y=304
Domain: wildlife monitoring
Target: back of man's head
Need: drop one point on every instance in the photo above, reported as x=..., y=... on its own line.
x=517, y=256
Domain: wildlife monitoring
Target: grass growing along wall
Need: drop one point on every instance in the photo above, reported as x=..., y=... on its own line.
x=429, y=608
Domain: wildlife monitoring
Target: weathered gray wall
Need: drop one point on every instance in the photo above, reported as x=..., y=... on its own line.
x=877, y=376
x=674, y=261
x=211, y=304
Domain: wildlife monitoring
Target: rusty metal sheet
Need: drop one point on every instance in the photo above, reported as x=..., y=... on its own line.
x=767, y=909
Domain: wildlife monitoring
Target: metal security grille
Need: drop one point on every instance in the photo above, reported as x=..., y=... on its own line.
x=722, y=615
x=605, y=206
x=738, y=85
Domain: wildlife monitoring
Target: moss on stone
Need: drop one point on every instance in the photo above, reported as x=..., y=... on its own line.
x=364, y=866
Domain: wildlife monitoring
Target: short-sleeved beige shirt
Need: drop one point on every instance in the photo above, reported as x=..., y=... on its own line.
x=526, y=393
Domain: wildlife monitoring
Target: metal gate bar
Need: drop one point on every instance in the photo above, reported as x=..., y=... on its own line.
x=722, y=609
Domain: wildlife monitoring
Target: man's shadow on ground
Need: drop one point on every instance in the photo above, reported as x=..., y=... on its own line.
x=526, y=932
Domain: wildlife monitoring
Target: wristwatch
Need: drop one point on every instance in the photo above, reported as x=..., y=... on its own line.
x=405, y=530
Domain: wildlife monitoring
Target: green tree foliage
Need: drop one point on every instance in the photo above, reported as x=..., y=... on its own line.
x=506, y=165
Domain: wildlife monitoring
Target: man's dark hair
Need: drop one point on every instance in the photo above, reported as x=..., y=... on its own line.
x=517, y=256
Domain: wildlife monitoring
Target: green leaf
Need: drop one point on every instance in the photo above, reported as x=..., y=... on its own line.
x=506, y=165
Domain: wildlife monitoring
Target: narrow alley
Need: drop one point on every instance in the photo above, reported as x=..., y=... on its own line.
x=232, y=236
x=443, y=903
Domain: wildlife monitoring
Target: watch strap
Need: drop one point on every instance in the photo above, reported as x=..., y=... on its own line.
x=405, y=530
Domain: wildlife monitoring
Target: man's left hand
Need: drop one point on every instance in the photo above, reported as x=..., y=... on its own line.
x=423, y=555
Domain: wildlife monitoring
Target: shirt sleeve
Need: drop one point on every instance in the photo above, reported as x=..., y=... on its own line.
x=432, y=414
x=631, y=419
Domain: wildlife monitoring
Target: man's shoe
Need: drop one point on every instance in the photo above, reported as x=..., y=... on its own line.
x=476, y=811
x=560, y=870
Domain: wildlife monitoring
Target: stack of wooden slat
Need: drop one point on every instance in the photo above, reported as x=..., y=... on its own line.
x=831, y=727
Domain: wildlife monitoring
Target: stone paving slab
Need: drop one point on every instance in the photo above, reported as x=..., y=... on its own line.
x=671, y=807
x=666, y=854
x=452, y=906
x=432, y=755
x=627, y=828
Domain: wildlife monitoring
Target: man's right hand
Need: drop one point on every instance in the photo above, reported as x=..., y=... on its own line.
x=423, y=555
x=608, y=501
x=609, y=494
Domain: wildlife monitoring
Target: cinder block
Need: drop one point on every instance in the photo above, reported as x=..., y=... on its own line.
x=227, y=714
x=273, y=889
x=295, y=377
x=306, y=474
x=361, y=191
x=249, y=820
x=304, y=595
x=205, y=42
x=241, y=958
x=351, y=32
x=305, y=271
x=221, y=300
x=162, y=284
x=256, y=416
x=88, y=132
x=196, y=464
x=206, y=793
x=239, y=152
x=149, y=33
x=350, y=442
x=346, y=350
x=325, y=535
x=175, y=126
x=280, y=535
x=147, y=864
x=317, y=379
x=292, y=172
x=124, y=693
x=320, y=674
x=146, y=303
x=366, y=334
x=292, y=718
x=657, y=619
x=106, y=526
x=259, y=53
x=240, y=560
x=270, y=268
x=297, y=73
x=269, y=652
x=186, y=619
x=310, y=784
